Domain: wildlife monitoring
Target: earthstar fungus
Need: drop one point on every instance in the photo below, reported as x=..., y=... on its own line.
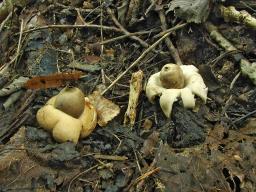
x=173, y=82
x=68, y=115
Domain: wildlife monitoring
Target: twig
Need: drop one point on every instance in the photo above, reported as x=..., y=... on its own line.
x=146, y=175
x=234, y=81
x=73, y=26
x=178, y=26
x=223, y=55
x=140, y=58
x=5, y=21
x=118, y=84
x=78, y=175
x=126, y=35
x=101, y=30
x=143, y=43
x=110, y=157
x=19, y=43
x=248, y=6
x=172, y=49
x=137, y=161
x=80, y=17
x=243, y=117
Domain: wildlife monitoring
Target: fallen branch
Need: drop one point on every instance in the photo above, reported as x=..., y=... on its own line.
x=242, y=17
x=5, y=21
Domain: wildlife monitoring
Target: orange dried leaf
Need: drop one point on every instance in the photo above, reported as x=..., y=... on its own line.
x=53, y=80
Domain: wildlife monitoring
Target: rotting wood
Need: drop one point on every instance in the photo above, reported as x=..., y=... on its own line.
x=135, y=90
x=231, y=14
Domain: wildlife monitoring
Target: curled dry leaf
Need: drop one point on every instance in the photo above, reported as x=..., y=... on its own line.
x=106, y=109
x=191, y=10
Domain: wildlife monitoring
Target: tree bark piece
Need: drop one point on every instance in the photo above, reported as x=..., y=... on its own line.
x=135, y=90
x=231, y=14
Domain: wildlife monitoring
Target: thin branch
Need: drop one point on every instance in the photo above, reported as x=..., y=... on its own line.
x=73, y=26
x=143, y=43
x=136, y=62
x=172, y=49
x=178, y=26
x=19, y=42
x=126, y=35
x=5, y=21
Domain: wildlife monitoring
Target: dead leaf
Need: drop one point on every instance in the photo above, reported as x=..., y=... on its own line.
x=195, y=11
x=106, y=109
x=53, y=80
x=92, y=59
x=150, y=143
x=88, y=5
x=147, y=124
x=91, y=68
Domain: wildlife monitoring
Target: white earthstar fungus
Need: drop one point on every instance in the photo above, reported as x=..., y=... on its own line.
x=173, y=82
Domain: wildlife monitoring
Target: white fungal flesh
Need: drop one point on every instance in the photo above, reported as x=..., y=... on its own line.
x=188, y=98
x=169, y=96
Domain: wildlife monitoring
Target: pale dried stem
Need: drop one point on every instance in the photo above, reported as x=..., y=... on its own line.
x=135, y=90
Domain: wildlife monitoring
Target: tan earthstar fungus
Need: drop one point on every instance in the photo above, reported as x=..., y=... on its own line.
x=173, y=82
x=68, y=115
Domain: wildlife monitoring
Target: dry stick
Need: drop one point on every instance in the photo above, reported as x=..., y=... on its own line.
x=178, y=26
x=19, y=43
x=5, y=21
x=125, y=36
x=143, y=43
x=172, y=49
x=4, y=68
x=101, y=30
x=74, y=26
x=136, y=62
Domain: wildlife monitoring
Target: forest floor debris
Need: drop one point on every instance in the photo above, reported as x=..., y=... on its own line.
x=98, y=46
